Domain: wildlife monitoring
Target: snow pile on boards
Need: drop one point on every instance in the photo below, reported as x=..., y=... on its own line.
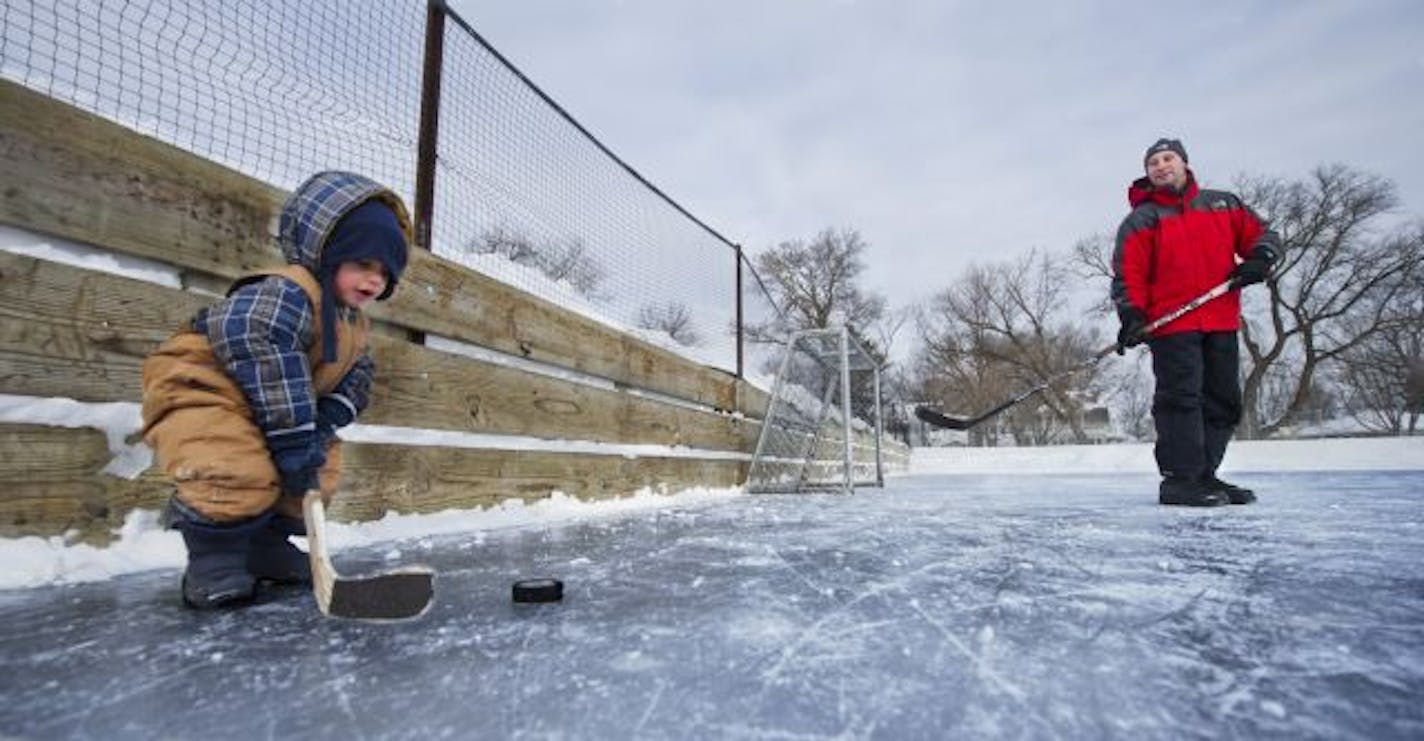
x=143, y=546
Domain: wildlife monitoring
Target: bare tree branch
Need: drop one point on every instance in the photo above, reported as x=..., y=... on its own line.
x=999, y=329
x=1332, y=292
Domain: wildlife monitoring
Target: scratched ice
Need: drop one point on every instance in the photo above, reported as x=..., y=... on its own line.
x=940, y=607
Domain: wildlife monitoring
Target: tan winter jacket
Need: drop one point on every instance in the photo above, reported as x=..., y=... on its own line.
x=197, y=419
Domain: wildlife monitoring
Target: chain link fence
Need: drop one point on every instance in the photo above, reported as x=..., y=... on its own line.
x=512, y=185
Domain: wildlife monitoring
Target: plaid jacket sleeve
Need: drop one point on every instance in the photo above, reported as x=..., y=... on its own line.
x=354, y=389
x=260, y=335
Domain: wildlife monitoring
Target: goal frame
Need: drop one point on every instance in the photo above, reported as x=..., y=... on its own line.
x=850, y=356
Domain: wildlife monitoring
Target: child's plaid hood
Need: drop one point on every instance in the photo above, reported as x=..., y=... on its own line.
x=315, y=207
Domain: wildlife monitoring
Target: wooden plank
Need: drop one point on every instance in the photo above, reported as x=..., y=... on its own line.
x=429, y=479
x=53, y=483
x=81, y=334
x=441, y=297
x=79, y=176
x=424, y=388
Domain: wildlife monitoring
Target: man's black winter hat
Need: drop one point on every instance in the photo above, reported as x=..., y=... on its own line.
x=1165, y=145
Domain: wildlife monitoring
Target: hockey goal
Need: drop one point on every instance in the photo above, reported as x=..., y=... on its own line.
x=822, y=428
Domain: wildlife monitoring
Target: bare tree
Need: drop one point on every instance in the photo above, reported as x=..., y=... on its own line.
x=673, y=318
x=1332, y=292
x=885, y=331
x=816, y=286
x=896, y=386
x=1383, y=376
x=1002, y=328
x=568, y=261
x=1130, y=387
x=948, y=373
x=1092, y=260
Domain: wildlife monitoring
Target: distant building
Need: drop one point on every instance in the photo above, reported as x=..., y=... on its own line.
x=1097, y=425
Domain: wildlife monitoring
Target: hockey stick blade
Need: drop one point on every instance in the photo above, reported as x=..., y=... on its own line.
x=394, y=595
x=401, y=594
x=965, y=423
x=939, y=419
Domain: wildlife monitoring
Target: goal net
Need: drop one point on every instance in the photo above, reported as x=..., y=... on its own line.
x=822, y=427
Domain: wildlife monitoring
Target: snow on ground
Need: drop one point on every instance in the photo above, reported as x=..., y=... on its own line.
x=141, y=545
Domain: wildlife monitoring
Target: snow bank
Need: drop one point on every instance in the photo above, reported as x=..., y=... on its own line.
x=142, y=545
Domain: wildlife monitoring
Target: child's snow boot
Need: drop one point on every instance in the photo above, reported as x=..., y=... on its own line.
x=216, y=576
x=273, y=557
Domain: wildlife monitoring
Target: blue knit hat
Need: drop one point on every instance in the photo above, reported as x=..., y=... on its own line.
x=368, y=232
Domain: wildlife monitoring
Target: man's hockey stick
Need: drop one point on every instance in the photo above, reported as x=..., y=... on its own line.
x=392, y=595
x=939, y=419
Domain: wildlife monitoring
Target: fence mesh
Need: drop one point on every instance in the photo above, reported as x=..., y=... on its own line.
x=274, y=90
x=523, y=193
x=760, y=360
x=281, y=90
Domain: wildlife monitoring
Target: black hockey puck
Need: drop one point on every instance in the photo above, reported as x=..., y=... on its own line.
x=538, y=590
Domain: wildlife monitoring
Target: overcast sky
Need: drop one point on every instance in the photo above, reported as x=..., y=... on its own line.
x=949, y=132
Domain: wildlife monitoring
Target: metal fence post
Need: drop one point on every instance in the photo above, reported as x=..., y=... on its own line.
x=845, y=410
x=737, y=248
x=429, y=121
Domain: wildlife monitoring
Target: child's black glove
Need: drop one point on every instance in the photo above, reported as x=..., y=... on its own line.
x=299, y=458
x=332, y=413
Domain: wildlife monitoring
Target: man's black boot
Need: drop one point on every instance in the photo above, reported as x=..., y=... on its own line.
x=1235, y=494
x=273, y=557
x=1182, y=491
x=217, y=575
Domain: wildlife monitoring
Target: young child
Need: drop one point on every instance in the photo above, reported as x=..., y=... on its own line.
x=242, y=404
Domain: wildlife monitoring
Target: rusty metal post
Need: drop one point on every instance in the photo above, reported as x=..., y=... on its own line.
x=429, y=120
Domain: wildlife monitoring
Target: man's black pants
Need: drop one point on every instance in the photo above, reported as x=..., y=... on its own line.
x=1197, y=402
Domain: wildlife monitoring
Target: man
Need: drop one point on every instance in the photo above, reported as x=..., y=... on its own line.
x=1179, y=242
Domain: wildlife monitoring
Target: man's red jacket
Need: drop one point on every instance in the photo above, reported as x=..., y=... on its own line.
x=1174, y=247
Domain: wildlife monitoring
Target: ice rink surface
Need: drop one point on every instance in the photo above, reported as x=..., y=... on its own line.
x=939, y=607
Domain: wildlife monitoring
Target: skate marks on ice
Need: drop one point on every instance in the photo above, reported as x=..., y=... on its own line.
x=940, y=607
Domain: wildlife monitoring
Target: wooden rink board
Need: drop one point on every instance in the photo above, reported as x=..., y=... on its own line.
x=77, y=333
x=53, y=484
x=82, y=334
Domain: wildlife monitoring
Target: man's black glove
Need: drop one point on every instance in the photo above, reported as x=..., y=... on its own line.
x=299, y=458
x=1133, y=322
x=1253, y=269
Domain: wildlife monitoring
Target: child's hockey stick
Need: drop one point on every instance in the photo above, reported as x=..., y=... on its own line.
x=939, y=419
x=392, y=595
